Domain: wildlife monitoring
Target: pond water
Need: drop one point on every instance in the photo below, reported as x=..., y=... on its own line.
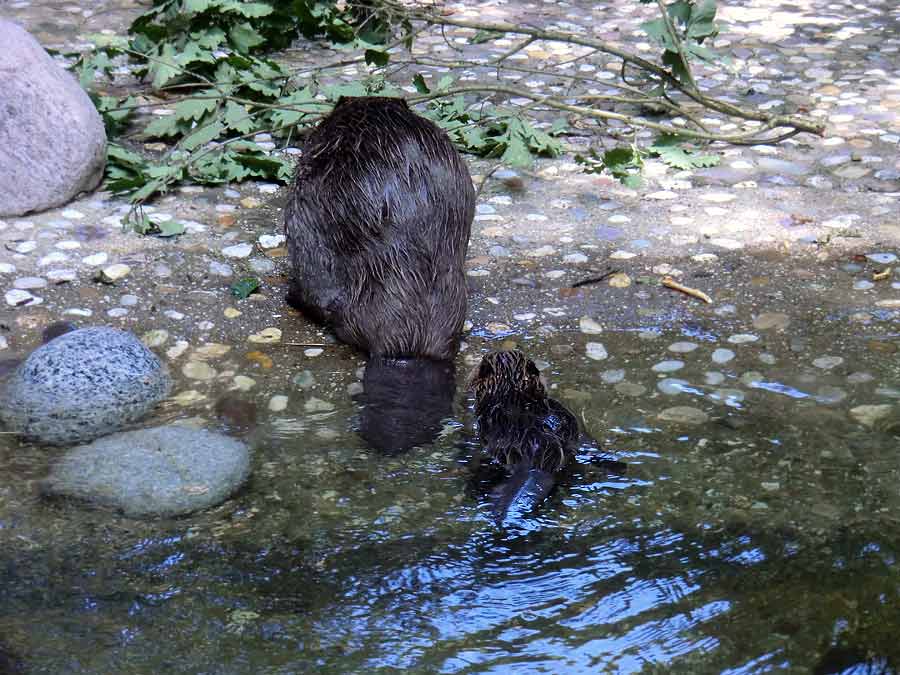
x=756, y=532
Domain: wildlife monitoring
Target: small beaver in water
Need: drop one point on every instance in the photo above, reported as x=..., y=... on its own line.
x=534, y=437
x=377, y=226
x=531, y=434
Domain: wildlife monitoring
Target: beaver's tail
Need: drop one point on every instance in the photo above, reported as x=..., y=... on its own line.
x=525, y=489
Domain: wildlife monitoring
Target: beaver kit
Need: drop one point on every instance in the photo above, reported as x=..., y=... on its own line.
x=532, y=435
x=377, y=224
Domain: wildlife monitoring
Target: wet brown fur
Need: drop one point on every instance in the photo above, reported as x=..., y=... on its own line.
x=377, y=226
x=518, y=423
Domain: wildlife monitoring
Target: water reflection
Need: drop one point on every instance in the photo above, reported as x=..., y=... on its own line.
x=404, y=402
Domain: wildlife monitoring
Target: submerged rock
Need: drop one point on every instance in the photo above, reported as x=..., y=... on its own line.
x=81, y=385
x=162, y=471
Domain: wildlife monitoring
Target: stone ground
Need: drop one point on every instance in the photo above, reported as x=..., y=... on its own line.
x=807, y=224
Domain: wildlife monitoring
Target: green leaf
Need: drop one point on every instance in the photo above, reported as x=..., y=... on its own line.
x=194, y=109
x=516, y=153
x=237, y=118
x=420, y=85
x=150, y=188
x=251, y=10
x=210, y=38
x=162, y=126
x=444, y=83
x=163, y=69
x=377, y=58
x=196, y=6
x=170, y=228
x=203, y=135
x=244, y=37
x=482, y=36
x=242, y=288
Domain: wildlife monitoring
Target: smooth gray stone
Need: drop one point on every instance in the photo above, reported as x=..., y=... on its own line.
x=82, y=385
x=52, y=140
x=162, y=471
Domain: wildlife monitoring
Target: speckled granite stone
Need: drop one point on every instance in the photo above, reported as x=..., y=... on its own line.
x=162, y=471
x=82, y=385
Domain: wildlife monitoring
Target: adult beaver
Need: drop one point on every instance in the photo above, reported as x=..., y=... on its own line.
x=530, y=434
x=377, y=226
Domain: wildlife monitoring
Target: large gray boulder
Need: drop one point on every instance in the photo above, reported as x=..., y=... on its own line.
x=52, y=140
x=164, y=471
x=82, y=385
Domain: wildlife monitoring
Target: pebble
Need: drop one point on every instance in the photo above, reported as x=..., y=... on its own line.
x=29, y=283
x=266, y=336
x=312, y=352
x=304, y=380
x=25, y=247
x=96, y=259
x=19, y=298
x=863, y=285
x=155, y=338
x=683, y=415
x=61, y=276
x=268, y=241
x=278, y=403
x=575, y=258
x=630, y=389
x=718, y=197
x=314, y=405
x=622, y=255
x=595, y=351
x=671, y=386
x=742, y=338
x=770, y=320
x=721, y=356
x=612, y=376
x=238, y=250
x=859, y=378
x=730, y=397
x=243, y=383
x=713, y=378
x=882, y=258
x=262, y=265
x=620, y=280
x=589, y=326
x=683, y=347
x=729, y=244
x=869, y=414
x=541, y=252
x=7, y=268
x=220, y=269
x=113, y=273
x=829, y=395
x=667, y=366
x=827, y=362
x=198, y=370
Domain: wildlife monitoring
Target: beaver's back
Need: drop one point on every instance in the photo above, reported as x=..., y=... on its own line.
x=377, y=224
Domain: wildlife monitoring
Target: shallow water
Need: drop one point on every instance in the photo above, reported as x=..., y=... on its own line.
x=763, y=539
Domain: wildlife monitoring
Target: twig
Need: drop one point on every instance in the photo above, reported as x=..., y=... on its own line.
x=594, y=280
x=669, y=282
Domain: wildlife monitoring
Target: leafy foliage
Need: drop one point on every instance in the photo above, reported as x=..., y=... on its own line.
x=625, y=162
x=694, y=22
x=491, y=131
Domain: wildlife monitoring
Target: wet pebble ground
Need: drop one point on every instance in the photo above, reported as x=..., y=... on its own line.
x=761, y=429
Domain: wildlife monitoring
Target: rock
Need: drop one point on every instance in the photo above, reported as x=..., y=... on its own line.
x=82, y=385
x=683, y=415
x=868, y=415
x=52, y=140
x=112, y=273
x=595, y=351
x=162, y=471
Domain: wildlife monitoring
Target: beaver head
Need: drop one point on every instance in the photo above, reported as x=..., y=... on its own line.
x=504, y=375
